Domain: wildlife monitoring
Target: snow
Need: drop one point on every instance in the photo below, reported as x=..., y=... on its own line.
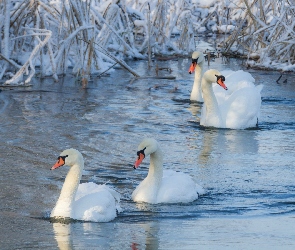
x=121, y=28
x=226, y=28
x=204, y=3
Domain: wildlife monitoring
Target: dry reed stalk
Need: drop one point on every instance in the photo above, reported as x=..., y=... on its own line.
x=19, y=75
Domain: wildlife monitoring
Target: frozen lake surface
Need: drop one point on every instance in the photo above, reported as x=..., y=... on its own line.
x=248, y=174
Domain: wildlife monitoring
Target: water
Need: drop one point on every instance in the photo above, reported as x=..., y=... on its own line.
x=248, y=174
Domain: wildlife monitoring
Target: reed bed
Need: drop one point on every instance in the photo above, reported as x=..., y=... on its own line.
x=85, y=38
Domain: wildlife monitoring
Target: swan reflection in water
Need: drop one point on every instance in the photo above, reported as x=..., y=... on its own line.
x=195, y=109
x=63, y=237
x=232, y=141
x=151, y=237
x=81, y=235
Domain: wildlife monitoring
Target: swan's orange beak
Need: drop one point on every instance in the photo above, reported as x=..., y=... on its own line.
x=221, y=83
x=192, y=67
x=60, y=162
x=139, y=160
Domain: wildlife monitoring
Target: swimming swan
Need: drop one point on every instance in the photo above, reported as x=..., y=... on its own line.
x=87, y=201
x=238, y=109
x=160, y=186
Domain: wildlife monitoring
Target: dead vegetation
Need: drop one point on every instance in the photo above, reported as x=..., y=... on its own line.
x=266, y=34
x=49, y=38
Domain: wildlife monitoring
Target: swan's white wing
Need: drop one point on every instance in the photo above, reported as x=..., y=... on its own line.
x=178, y=187
x=146, y=191
x=237, y=79
x=95, y=203
x=243, y=108
x=240, y=104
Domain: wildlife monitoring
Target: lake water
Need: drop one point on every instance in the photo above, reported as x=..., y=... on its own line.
x=248, y=174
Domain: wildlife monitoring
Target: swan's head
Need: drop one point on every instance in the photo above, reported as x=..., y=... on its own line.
x=197, y=58
x=68, y=157
x=145, y=148
x=213, y=75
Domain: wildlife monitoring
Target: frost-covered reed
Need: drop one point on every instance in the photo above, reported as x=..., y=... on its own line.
x=266, y=34
x=91, y=36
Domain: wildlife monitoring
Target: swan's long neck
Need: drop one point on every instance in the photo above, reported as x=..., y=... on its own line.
x=213, y=115
x=196, y=94
x=65, y=201
x=155, y=173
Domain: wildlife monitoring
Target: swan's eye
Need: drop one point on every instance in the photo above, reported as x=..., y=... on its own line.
x=195, y=60
x=220, y=77
x=62, y=159
x=141, y=152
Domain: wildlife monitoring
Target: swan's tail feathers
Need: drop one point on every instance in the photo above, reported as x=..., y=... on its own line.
x=118, y=208
x=259, y=87
x=200, y=189
x=257, y=123
x=117, y=197
x=114, y=193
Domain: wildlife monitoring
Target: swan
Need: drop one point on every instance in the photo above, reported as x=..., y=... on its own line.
x=239, y=109
x=87, y=201
x=197, y=67
x=160, y=186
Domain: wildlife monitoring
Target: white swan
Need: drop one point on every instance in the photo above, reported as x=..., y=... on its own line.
x=162, y=186
x=197, y=67
x=87, y=201
x=238, y=109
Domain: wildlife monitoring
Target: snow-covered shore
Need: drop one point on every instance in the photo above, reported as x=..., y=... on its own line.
x=90, y=37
